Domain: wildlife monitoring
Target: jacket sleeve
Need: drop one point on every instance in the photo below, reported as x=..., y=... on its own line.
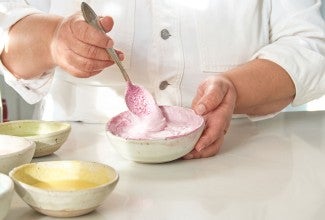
x=32, y=90
x=297, y=44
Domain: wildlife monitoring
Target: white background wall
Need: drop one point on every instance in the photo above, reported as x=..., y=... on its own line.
x=19, y=109
x=323, y=8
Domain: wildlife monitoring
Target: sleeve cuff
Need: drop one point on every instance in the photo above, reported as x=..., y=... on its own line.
x=31, y=90
x=304, y=66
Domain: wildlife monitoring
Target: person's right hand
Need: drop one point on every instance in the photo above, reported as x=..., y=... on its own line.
x=79, y=48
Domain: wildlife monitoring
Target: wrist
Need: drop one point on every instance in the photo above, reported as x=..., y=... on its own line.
x=55, y=22
x=231, y=88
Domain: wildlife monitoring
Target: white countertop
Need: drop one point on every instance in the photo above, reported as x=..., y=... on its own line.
x=271, y=169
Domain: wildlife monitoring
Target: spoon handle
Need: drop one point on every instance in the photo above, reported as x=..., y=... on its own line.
x=114, y=56
x=91, y=18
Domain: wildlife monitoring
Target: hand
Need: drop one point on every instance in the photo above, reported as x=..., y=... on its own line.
x=79, y=48
x=215, y=101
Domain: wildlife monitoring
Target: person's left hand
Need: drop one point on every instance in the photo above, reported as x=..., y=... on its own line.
x=215, y=101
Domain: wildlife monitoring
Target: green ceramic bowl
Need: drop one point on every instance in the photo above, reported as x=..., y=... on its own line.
x=48, y=135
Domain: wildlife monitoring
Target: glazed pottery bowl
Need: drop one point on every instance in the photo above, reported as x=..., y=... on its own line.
x=14, y=151
x=48, y=135
x=6, y=194
x=164, y=147
x=64, y=188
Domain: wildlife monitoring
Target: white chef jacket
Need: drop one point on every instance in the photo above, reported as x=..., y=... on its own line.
x=170, y=46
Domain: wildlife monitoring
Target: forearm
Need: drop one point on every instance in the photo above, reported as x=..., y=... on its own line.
x=262, y=87
x=27, y=52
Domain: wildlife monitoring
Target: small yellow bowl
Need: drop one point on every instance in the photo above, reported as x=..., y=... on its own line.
x=48, y=135
x=64, y=188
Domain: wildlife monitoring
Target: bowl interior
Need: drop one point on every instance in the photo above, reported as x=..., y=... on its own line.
x=64, y=175
x=10, y=145
x=180, y=122
x=29, y=128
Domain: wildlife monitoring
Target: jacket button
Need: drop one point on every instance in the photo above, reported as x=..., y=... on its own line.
x=164, y=34
x=163, y=85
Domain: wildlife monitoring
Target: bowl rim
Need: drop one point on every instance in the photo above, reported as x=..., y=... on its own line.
x=38, y=189
x=171, y=138
x=10, y=184
x=67, y=127
x=32, y=145
x=154, y=140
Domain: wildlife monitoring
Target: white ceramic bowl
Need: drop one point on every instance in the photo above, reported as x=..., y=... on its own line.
x=6, y=193
x=48, y=135
x=14, y=151
x=158, y=150
x=64, y=188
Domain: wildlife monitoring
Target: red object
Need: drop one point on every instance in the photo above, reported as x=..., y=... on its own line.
x=5, y=110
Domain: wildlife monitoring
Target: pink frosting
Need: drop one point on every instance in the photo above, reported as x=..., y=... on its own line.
x=139, y=101
x=144, y=107
x=179, y=121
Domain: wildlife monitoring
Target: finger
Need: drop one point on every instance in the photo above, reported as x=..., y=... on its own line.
x=214, y=129
x=89, y=51
x=120, y=55
x=107, y=23
x=79, y=73
x=213, y=94
x=198, y=95
x=217, y=122
x=86, y=64
x=210, y=151
x=90, y=35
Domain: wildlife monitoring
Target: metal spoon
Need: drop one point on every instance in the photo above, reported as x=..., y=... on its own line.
x=91, y=18
x=139, y=101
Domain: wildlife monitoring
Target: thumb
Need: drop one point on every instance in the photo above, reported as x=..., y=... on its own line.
x=107, y=23
x=212, y=96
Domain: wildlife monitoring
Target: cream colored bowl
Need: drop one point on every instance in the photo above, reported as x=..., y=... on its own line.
x=48, y=135
x=64, y=188
x=6, y=193
x=157, y=150
x=14, y=151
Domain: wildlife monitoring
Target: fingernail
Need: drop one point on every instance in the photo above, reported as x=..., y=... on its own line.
x=200, y=109
x=188, y=156
x=199, y=148
x=121, y=56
